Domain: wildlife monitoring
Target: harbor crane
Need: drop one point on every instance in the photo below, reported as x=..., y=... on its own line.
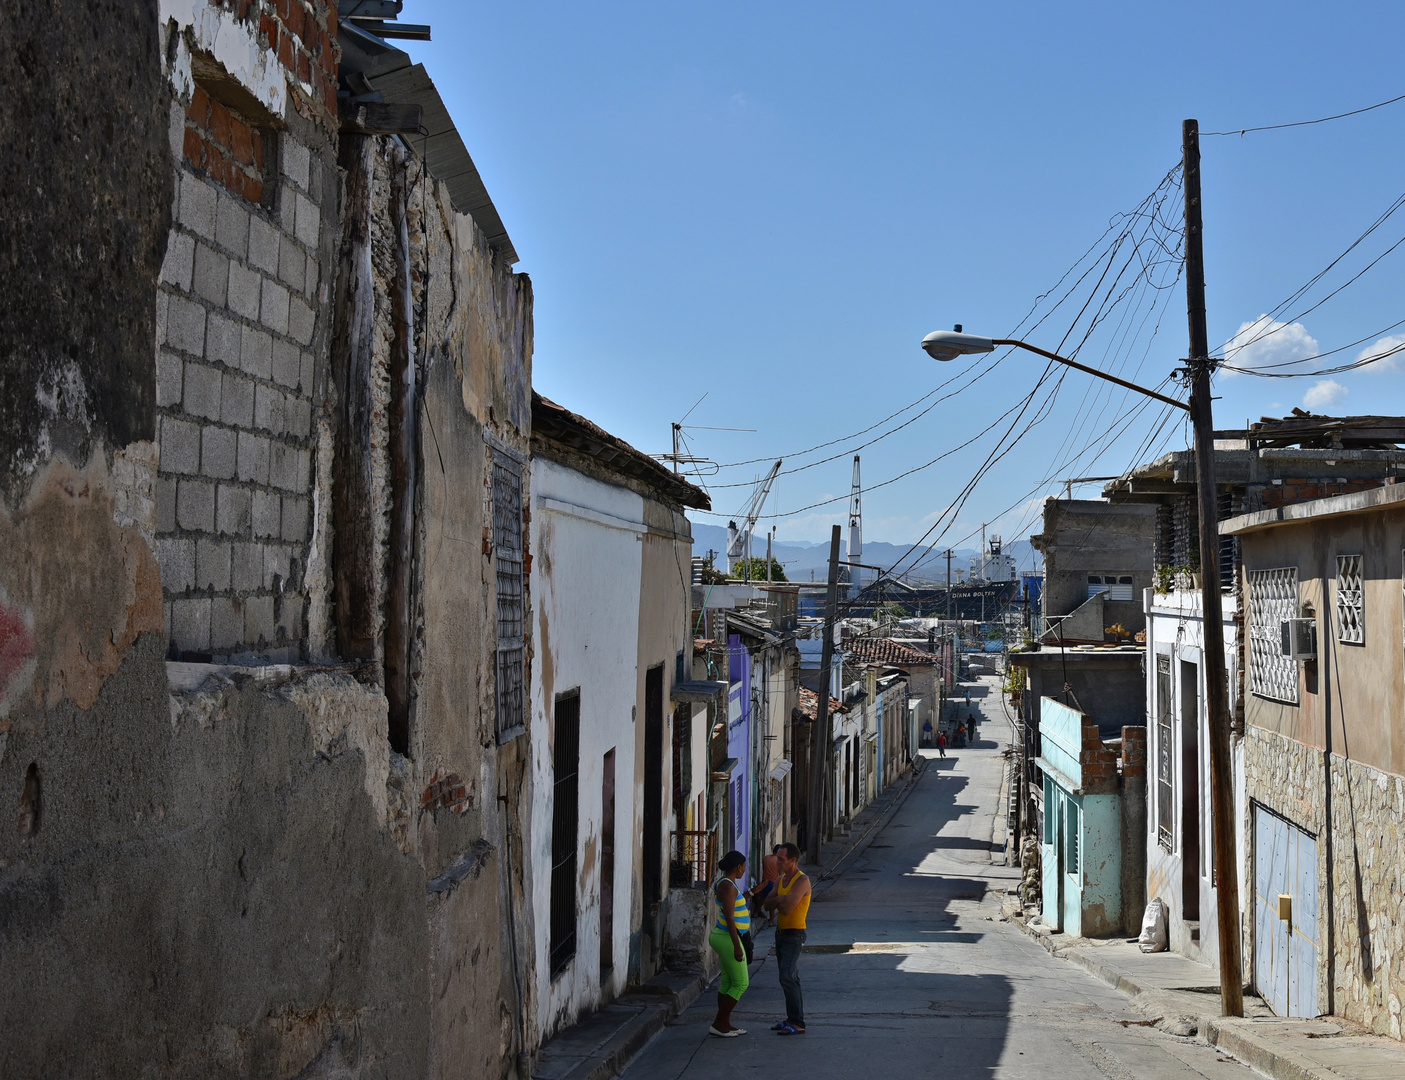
x=739, y=539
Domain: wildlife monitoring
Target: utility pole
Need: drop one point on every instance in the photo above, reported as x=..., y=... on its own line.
x=1216, y=675
x=820, y=737
x=948, y=584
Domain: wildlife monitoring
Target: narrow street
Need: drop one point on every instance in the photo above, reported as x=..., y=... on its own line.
x=908, y=970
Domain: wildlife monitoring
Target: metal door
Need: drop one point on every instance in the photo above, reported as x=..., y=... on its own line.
x=1285, y=950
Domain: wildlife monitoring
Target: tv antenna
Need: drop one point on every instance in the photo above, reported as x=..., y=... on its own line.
x=701, y=466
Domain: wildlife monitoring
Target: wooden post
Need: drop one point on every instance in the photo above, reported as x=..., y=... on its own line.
x=1216, y=675
x=821, y=740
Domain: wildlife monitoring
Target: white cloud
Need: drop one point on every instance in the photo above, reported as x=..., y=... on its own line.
x=1264, y=342
x=1324, y=394
x=1394, y=362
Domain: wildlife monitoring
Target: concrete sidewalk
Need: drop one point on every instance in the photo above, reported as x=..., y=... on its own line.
x=600, y=1046
x=1181, y=996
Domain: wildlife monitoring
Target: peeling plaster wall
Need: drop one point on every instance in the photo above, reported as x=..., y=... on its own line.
x=588, y=538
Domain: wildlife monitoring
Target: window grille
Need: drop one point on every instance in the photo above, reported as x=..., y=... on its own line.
x=1071, y=864
x=1165, y=776
x=1351, y=615
x=507, y=555
x=1273, y=597
x=565, y=829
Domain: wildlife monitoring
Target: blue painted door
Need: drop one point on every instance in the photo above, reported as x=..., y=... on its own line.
x=1285, y=950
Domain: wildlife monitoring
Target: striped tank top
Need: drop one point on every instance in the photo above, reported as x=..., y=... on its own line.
x=741, y=913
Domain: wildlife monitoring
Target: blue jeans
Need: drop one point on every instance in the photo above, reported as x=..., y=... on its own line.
x=788, y=944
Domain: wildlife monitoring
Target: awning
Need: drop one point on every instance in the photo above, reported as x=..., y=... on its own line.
x=698, y=691
x=781, y=769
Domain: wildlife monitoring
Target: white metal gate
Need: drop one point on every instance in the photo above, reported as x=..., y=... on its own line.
x=1285, y=949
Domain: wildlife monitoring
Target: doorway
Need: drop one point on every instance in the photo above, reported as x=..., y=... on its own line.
x=653, y=809
x=1190, y=791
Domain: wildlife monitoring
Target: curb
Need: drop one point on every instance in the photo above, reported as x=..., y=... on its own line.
x=884, y=815
x=661, y=1003
x=1225, y=1034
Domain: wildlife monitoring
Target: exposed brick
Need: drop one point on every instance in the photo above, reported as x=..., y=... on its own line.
x=263, y=245
x=212, y=564
x=253, y=458
x=176, y=557
x=195, y=505
x=287, y=467
x=232, y=225
x=180, y=446
x=294, y=159
x=237, y=401
x=246, y=568
x=226, y=622
x=217, y=452
x=168, y=379
x=277, y=567
x=300, y=322
x=288, y=613
x=245, y=286
x=304, y=70
x=190, y=624
x=197, y=206
x=287, y=364
x=222, y=340
x=298, y=416
x=201, y=393
x=268, y=515
x=287, y=51
x=292, y=264
x=185, y=326
x=211, y=277
x=273, y=308
x=199, y=108
x=259, y=625
x=295, y=520
x=179, y=263
x=256, y=352
x=241, y=141
x=219, y=123
x=309, y=221
x=268, y=410
x=234, y=510
x=165, y=504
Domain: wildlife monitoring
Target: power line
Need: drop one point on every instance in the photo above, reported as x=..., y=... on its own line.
x=1306, y=123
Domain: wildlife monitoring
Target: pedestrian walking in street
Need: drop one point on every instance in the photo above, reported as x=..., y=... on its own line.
x=792, y=905
x=968, y=698
x=941, y=744
x=733, y=920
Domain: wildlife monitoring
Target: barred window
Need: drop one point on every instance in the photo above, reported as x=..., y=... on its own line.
x=507, y=555
x=1351, y=615
x=1273, y=597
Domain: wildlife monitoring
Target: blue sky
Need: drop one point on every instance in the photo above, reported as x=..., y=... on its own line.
x=774, y=202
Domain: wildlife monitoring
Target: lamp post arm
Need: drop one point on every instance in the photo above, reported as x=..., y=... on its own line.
x=1093, y=371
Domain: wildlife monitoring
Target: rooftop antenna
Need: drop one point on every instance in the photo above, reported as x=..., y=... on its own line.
x=701, y=466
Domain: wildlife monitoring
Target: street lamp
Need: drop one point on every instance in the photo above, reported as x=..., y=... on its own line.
x=949, y=344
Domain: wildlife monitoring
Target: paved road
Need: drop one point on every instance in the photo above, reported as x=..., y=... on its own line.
x=908, y=971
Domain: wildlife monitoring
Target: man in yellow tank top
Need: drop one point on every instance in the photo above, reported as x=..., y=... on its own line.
x=791, y=905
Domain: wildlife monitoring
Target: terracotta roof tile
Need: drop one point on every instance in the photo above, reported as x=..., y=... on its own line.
x=886, y=651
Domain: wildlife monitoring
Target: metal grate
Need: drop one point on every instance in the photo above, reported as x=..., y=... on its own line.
x=565, y=829
x=507, y=556
x=1273, y=597
x=1351, y=602
x=1165, y=776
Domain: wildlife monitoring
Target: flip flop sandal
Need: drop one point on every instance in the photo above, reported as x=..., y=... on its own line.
x=725, y=1034
x=778, y=1026
x=790, y=1029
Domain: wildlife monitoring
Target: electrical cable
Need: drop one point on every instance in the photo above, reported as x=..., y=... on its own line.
x=1307, y=123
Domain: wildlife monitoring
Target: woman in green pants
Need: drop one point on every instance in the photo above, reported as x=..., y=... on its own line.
x=733, y=920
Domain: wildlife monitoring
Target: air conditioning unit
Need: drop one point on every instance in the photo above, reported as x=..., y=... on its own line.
x=1299, y=639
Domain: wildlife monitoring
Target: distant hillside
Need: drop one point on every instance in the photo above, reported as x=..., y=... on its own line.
x=807, y=562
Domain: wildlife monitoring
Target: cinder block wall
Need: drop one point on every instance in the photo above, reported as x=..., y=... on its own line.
x=242, y=330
